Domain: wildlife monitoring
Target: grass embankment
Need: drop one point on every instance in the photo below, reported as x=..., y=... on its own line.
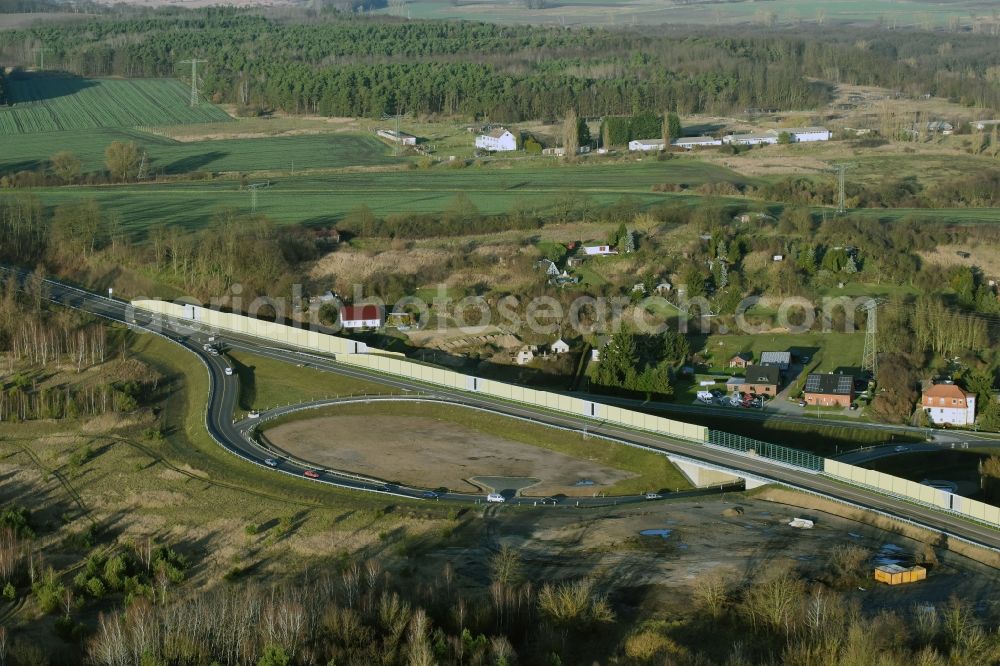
x=653, y=471
x=953, y=465
x=267, y=383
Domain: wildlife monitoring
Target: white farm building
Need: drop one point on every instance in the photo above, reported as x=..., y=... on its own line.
x=689, y=142
x=751, y=139
x=804, y=134
x=643, y=145
x=401, y=138
x=498, y=140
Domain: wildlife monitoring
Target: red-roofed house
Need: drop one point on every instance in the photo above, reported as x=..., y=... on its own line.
x=361, y=316
x=948, y=404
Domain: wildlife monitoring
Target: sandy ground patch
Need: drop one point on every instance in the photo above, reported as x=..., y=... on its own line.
x=429, y=453
x=707, y=537
x=359, y=266
x=985, y=256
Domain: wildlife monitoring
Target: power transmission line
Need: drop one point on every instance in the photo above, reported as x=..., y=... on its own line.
x=869, y=360
x=253, y=187
x=841, y=201
x=194, y=79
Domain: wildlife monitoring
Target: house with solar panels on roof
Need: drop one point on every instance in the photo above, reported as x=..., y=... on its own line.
x=829, y=390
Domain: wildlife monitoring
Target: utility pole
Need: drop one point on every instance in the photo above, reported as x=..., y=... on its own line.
x=41, y=50
x=841, y=203
x=194, y=79
x=253, y=187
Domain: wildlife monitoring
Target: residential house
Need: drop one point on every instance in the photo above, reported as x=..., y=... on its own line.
x=803, y=134
x=598, y=250
x=750, y=139
x=497, y=140
x=940, y=127
x=560, y=346
x=525, y=355
x=663, y=288
x=759, y=379
x=361, y=316
x=741, y=360
x=947, y=404
x=563, y=279
x=691, y=142
x=401, y=138
x=777, y=359
x=548, y=266
x=646, y=145
x=829, y=390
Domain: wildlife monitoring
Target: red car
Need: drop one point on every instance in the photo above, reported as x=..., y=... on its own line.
x=312, y=474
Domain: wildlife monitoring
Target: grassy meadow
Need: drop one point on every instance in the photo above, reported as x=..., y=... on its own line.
x=326, y=197
x=610, y=13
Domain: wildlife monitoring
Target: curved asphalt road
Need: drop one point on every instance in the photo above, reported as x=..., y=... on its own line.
x=224, y=390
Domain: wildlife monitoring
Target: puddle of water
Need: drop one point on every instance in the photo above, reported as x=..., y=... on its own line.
x=664, y=533
x=891, y=554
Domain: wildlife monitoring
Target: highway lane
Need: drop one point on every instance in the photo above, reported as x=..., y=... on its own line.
x=222, y=400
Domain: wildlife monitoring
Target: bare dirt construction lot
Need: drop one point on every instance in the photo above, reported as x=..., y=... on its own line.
x=429, y=453
x=732, y=538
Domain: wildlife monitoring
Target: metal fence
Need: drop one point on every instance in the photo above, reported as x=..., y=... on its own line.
x=751, y=446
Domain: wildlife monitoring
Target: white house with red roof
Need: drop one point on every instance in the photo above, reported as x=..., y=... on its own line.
x=361, y=316
x=948, y=404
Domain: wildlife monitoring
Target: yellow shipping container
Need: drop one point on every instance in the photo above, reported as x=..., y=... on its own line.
x=893, y=574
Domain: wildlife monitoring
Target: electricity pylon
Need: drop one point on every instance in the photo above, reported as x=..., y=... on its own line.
x=194, y=79
x=869, y=360
x=841, y=200
x=41, y=51
x=253, y=187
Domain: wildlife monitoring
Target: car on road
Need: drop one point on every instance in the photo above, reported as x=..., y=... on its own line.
x=429, y=494
x=654, y=496
x=312, y=474
x=229, y=372
x=253, y=415
x=802, y=403
x=901, y=449
x=271, y=462
x=548, y=500
x=213, y=351
x=495, y=498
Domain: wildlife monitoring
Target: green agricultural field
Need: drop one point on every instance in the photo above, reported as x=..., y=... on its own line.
x=166, y=156
x=925, y=14
x=325, y=198
x=47, y=103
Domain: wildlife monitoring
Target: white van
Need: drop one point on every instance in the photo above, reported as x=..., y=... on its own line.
x=495, y=497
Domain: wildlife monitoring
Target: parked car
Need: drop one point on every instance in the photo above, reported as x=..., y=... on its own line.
x=312, y=474
x=271, y=462
x=495, y=498
x=802, y=403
